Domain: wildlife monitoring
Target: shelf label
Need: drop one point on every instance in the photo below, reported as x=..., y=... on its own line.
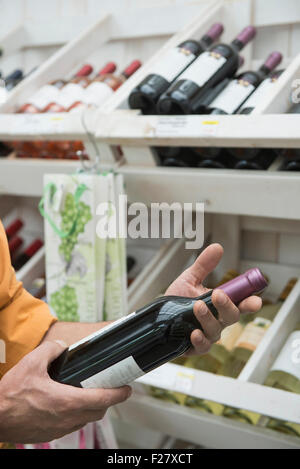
x=36, y=124
x=185, y=126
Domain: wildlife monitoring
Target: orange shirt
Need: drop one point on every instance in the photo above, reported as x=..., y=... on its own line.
x=24, y=320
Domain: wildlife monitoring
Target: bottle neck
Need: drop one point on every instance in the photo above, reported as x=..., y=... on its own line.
x=237, y=44
x=206, y=41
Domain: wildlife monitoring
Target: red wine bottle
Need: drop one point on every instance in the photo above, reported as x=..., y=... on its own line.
x=144, y=340
x=14, y=244
x=174, y=62
x=14, y=228
x=260, y=93
x=13, y=79
x=239, y=89
x=211, y=67
x=27, y=254
x=185, y=158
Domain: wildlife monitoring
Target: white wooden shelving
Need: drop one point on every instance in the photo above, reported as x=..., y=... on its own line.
x=238, y=200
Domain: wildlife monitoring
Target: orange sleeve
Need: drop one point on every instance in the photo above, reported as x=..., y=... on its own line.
x=24, y=320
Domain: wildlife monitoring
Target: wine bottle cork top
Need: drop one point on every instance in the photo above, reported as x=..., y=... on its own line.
x=215, y=31
x=273, y=60
x=246, y=35
x=247, y=284
x=110, y=67
x=85, y=71
x=132, y=68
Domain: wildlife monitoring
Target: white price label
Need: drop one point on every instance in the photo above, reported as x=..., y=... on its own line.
x=36, y=124
x=185, y=126
x=184, y=381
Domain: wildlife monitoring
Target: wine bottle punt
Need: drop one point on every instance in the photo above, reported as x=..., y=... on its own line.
x=174, y=62
x=211, y=67
x=127, y=349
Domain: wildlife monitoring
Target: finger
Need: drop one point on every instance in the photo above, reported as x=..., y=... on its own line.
x=97, y=399
x=228, y=312
x=250, y=305
x=210, y=325
x=200, y=343
x=43, y=355
x=205, y=263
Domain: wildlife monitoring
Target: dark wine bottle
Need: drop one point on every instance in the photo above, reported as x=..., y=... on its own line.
x=291, y=155
x=222, y=161
x=211, y=67
x=5, y=149
x=14, y=228
x=239, y=89
x=262, y=161
x=184, y=158
x=174, y=62
x=13, y=79
x=14, y=245
x=127, y=349
x=260, y=93
x=27, y=254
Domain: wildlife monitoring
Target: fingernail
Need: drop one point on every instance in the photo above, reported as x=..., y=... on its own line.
x=62, y=343
x=221, y=298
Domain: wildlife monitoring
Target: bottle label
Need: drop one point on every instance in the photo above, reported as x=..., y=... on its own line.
x=288, y=359
x=44, y=96
x=262, y=91
x=123, y=372
x=96, y=93
x=230, y=336
x=233, y=96
x=69, y=95
x=102, y=331
x=204, y=67
x=253, y=334
x=173, y=63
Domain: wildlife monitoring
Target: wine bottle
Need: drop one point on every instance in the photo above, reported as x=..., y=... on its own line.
x=284, y=374
x=13, y=79
x=144, y=340
x=223, y=160
x=92, y=93
x=5, y=149
x=181, y=158
x=70, y=92
x=170, y=66
x=14, y=228
x=27, y=254
x=264, y=89
x=14, y=245
x=252, y=335
x=211, y=67
x=291, y=156
x=262, y=161
x=239, y=89
x=236, y=93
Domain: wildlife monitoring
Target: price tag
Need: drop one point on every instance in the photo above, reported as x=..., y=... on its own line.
x=36, y=124
x=185, y=126
x=184, y=381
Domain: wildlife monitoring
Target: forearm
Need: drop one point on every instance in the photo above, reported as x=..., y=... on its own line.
x=71, y=332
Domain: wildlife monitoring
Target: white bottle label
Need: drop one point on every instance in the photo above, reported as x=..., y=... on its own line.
x=123, y=372
x=288, y=359
x=101, y=332
x=69, y=95
x=262, y=91
x=173, y=63
x=44, y=96
x=204, y=67
x=96, y=93
x=233, y=96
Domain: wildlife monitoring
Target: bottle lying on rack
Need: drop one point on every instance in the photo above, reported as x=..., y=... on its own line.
x=291, y=155
x=253, y=334
x=210, y=68
x=47, y=95
x=144, y=340
x=262, y=161
x=14, y=245
x=29, y=252
x=13, y=228
x=180, y=157
x=13, y=79
x=169, y=67
x=237, y=92
x=221, y=160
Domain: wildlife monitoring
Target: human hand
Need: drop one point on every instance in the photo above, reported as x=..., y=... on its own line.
x=189, y=284
x=35, y=409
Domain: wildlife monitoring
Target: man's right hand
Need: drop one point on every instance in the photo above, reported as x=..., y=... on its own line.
x=35, y=409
